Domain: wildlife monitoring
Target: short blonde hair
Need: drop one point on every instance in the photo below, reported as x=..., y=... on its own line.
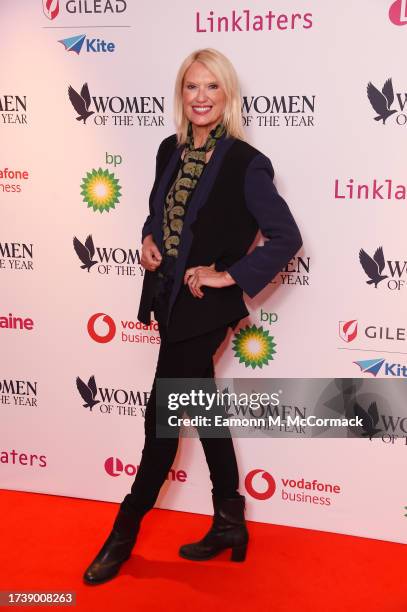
x=222, y=68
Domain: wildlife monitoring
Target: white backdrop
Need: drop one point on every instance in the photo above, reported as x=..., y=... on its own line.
x=51, y=443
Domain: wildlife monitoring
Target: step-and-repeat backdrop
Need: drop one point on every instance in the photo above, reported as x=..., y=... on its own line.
x=85, y=99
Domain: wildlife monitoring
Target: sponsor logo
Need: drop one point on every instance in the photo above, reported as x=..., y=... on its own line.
x=376, y=270
x=54, y=8
x=16, y=256
x=296, y=272
x=278, y=111
x=110, y=400
x=18, y=392
x=398, y=12
x=116, y=467
x=110, y=328
x=348, y=330
x=108, y=260
x=291, y=490
x=106, y=330
x=26, y=459
x=13, y=109
x=101, y=190
x=247, y=20
x=372, y=190
x=267, y=478
x=12, y=322
x=92, y=45
x=50, y=8
x=386, y=103
x=254, y=346
x=141, y=111
x=387, y=368
x=10, y=180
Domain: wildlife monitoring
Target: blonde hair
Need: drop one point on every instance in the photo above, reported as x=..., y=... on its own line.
x=222, y=68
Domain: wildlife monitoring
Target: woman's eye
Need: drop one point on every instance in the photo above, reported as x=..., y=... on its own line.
x=190, y=86
x=213, y=86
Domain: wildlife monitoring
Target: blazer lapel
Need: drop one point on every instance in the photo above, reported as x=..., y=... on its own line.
x=160, y=194
x=198, y=199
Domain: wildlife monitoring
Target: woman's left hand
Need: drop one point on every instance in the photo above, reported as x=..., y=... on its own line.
x=198, y=276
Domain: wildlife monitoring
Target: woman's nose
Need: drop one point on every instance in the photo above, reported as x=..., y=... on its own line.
x=201, y=94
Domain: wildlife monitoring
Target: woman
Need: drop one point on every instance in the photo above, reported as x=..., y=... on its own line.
x=211, y=195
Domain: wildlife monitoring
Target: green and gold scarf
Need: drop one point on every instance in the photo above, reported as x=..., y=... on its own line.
x=183, y=186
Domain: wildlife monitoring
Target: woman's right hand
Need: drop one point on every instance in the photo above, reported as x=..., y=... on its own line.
x=150, y=254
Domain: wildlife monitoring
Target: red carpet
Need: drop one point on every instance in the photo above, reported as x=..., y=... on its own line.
x=47, y=542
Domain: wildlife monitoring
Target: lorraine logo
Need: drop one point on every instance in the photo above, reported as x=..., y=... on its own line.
x=254, y=346
x=101, y=190
x=271, y=484
x=110, y=331
x=348, y=330
x=398, y=12
x=373, y=266
x=93, y=45
x=382, y=101
x=85, y=252
x=81, y=102
x=50, y=8
x=88, y=392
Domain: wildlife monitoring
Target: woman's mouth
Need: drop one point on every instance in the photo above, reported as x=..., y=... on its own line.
x=201, y=110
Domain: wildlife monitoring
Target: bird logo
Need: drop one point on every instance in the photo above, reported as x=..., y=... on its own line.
x=381, y=100
x=87, y=392
x=81, y=102
x=369, y=419
x=85, y=252
x=373, y=266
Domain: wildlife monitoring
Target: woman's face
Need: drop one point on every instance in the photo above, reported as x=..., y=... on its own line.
x=203, y=98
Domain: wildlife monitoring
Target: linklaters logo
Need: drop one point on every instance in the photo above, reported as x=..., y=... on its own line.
x=100, y=190
x=254, y=346
x=382, y=102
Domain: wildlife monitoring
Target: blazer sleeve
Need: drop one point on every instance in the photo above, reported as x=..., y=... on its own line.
x=255, y=270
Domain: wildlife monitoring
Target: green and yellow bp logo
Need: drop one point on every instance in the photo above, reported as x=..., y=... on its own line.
x=100, y=189
x=254, y=346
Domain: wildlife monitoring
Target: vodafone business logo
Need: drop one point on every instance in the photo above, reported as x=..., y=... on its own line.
x=271, y=484
x=110, y=328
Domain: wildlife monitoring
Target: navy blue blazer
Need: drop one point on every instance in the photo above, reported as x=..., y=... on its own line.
x=234, y=199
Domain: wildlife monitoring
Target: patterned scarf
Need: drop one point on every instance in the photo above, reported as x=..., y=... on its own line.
x=183, y=186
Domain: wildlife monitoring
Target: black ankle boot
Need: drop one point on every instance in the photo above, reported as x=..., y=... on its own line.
x=228, y=531
x=115, y=550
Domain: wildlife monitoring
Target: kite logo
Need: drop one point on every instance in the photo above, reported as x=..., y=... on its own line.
x=348, y=330
x=50, y=8
x=373, y=366
x=398, y=12
x=370, y=366
x=93, y=45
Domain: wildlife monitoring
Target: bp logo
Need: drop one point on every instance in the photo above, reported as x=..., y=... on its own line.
x=253, y=346
x=101, y=190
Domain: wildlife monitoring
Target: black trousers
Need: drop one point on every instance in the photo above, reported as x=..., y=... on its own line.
x=190, y=358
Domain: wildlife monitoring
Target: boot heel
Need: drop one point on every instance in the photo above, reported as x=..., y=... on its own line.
x=239, y=553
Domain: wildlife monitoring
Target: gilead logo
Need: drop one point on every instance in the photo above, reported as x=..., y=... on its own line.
x=110, y=328
x=271, y=484
x=115, y=467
